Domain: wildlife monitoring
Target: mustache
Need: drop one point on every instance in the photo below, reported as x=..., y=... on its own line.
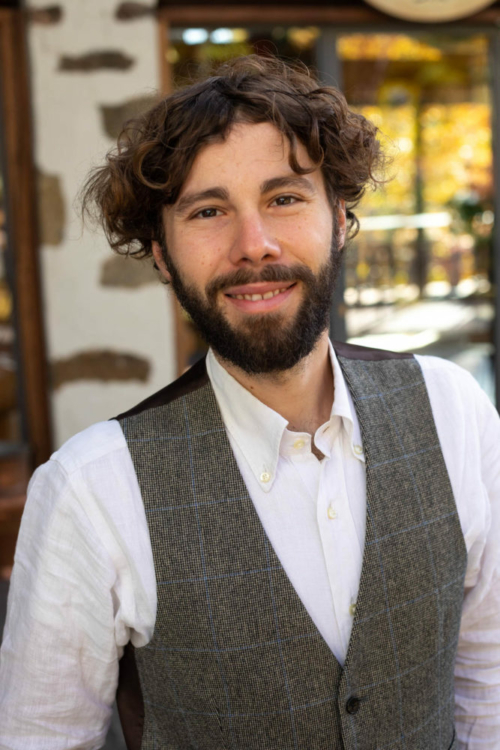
x=245, y=276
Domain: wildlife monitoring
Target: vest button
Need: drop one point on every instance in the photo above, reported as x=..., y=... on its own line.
x=352, y=705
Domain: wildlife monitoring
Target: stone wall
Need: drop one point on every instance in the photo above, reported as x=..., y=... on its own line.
x=109, y=321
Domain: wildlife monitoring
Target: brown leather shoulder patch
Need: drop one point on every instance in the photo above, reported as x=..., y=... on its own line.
x=129, y=700
x=351, y=351
x=196, y=377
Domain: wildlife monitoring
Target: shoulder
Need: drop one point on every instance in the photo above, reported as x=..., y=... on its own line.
x=89, y=487
x=457, y=400
x=450, y=380
x=66, y=494
x=193, y=379
x=445, y=367
x=106, y=439
x=89, y=446
x=87, y=460
x=104, y=443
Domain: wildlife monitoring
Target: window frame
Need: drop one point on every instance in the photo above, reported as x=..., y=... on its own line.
x=21, y=215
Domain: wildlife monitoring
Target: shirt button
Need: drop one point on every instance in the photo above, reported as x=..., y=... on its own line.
x=331, y=513
x=352, y=609
x=265, y=477
x=299, y=443
x=358, y=449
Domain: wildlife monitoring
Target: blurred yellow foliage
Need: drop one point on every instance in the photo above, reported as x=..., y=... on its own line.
x=456, y=151
x=303, y=37
x=455, y=154
x=397, y=134
x=5, y=302
x=386, y=47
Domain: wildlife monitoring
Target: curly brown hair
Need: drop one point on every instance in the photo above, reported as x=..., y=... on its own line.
x=155, y=151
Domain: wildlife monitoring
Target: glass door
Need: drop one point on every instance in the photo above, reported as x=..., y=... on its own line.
x=418, y=276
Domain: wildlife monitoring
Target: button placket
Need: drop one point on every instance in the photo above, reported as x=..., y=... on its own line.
x=337, y=531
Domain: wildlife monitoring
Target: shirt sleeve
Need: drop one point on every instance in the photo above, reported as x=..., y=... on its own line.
x=477, y=672
x=59, y=658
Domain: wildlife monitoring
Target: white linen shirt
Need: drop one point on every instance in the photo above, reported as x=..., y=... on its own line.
x=83, y=583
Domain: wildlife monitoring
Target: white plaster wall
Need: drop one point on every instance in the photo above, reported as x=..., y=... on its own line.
x=79, y=313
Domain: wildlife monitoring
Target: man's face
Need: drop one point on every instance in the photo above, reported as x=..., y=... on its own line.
x=253, y=250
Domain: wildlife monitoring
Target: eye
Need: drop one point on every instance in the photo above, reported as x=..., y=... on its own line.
x=286, y=200
x=206, y=213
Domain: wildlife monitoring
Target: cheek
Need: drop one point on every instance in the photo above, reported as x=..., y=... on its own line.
x=310, y=239
x=198, y=265
x=191, y=255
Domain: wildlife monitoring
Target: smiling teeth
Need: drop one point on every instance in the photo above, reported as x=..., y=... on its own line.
x=257, y=297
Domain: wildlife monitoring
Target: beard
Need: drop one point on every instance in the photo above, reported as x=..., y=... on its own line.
x=267, y=342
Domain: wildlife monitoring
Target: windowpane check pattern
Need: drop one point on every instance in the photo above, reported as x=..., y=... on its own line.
x=235, y=660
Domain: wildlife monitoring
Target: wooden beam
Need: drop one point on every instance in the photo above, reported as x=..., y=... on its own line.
x=180, y=15
x=347, y=16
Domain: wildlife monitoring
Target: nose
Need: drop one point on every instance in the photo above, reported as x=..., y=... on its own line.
x=253, y=242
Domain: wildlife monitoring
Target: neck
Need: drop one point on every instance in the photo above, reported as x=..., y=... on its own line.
x=302, y=395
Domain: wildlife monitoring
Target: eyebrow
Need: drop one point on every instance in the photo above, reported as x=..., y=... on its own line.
x=287, y=181
x=222, y=194
x=190, y=199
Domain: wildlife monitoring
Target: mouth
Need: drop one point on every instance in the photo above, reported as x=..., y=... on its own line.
x=260, y=297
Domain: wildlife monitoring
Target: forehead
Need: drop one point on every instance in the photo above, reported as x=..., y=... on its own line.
x=248, y=151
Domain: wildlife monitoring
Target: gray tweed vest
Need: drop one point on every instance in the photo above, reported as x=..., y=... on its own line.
x=236, y=662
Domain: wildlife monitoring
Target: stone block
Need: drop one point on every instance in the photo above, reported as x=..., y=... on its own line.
x=94, y=61
x=51, y=208
x=122, y=271
x=114, y=116
x=131, y=11
x=47, y=16
x=103, y=365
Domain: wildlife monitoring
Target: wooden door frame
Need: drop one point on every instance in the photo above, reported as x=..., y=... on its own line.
x=21, y=213
x=339, y=16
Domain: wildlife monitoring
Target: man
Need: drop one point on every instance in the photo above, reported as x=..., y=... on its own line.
x=295, y=545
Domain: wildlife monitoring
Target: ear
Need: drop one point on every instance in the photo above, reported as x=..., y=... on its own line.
x=159, y=260
x=341, y=223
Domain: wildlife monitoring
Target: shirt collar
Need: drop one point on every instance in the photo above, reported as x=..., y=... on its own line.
x=258, y=430
x=255, y=427
x=343, y=407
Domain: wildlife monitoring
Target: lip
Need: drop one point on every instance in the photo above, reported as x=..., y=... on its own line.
x=261, y=305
